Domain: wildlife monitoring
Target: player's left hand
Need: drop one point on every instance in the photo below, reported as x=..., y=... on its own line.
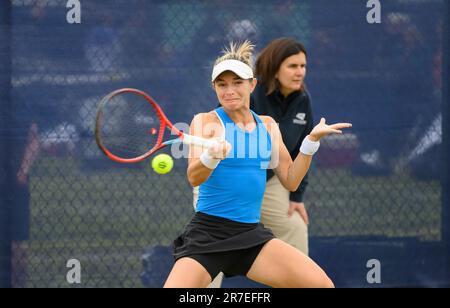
x=322, y=129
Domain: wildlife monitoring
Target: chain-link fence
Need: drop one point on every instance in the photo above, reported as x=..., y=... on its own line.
x=374, y=193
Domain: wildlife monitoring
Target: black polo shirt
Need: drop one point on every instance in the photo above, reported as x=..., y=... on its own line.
x=295, y=118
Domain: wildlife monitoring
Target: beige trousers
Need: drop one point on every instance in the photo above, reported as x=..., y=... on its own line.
x=292, y=230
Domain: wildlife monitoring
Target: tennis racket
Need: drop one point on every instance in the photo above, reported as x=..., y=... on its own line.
x=130, y=127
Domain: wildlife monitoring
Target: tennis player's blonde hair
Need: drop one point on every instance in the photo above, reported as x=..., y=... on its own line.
x=242, y=52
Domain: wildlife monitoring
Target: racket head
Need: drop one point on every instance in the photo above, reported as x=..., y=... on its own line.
x=130, y=126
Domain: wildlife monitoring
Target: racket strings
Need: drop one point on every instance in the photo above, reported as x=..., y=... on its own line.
x=129, y=126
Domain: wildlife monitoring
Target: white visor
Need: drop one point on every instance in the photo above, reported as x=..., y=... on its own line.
x=239, y=68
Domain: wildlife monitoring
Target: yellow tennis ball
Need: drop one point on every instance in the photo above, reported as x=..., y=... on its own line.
x=162, y=163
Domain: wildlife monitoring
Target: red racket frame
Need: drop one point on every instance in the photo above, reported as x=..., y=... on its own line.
x=164, y=123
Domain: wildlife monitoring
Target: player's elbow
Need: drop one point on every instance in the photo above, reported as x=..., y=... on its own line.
x=289, y=185
x=197, y=174
x=193, y=181
x=293, y=187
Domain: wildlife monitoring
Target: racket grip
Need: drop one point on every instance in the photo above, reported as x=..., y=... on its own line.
x=202, y=142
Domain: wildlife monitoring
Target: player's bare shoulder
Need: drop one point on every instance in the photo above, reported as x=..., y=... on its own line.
x=271, y=125
x=206, y=117
x=208, y=123
x=267, y=119
x=212, y=117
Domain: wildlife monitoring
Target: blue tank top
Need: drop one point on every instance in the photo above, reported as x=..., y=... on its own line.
x=236, y=187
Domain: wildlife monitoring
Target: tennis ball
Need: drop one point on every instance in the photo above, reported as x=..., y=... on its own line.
x=162, y=163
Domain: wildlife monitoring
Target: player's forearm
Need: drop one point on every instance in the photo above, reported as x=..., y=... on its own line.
x=198, y=173
x=297, y=171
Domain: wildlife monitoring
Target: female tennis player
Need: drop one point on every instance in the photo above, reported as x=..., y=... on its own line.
x=225, y=234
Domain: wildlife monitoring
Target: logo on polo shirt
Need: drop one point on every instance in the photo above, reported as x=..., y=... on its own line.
x=300, y=119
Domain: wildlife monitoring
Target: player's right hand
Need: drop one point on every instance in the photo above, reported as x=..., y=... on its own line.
x=220, y=151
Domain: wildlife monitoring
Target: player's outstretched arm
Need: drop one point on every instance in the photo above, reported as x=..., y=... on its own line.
x=291, y=173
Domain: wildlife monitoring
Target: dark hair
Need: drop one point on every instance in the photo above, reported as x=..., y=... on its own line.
x=270, y=59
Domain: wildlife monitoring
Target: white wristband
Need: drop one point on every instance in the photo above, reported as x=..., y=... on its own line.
x=309, y=147
x=208, y=161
